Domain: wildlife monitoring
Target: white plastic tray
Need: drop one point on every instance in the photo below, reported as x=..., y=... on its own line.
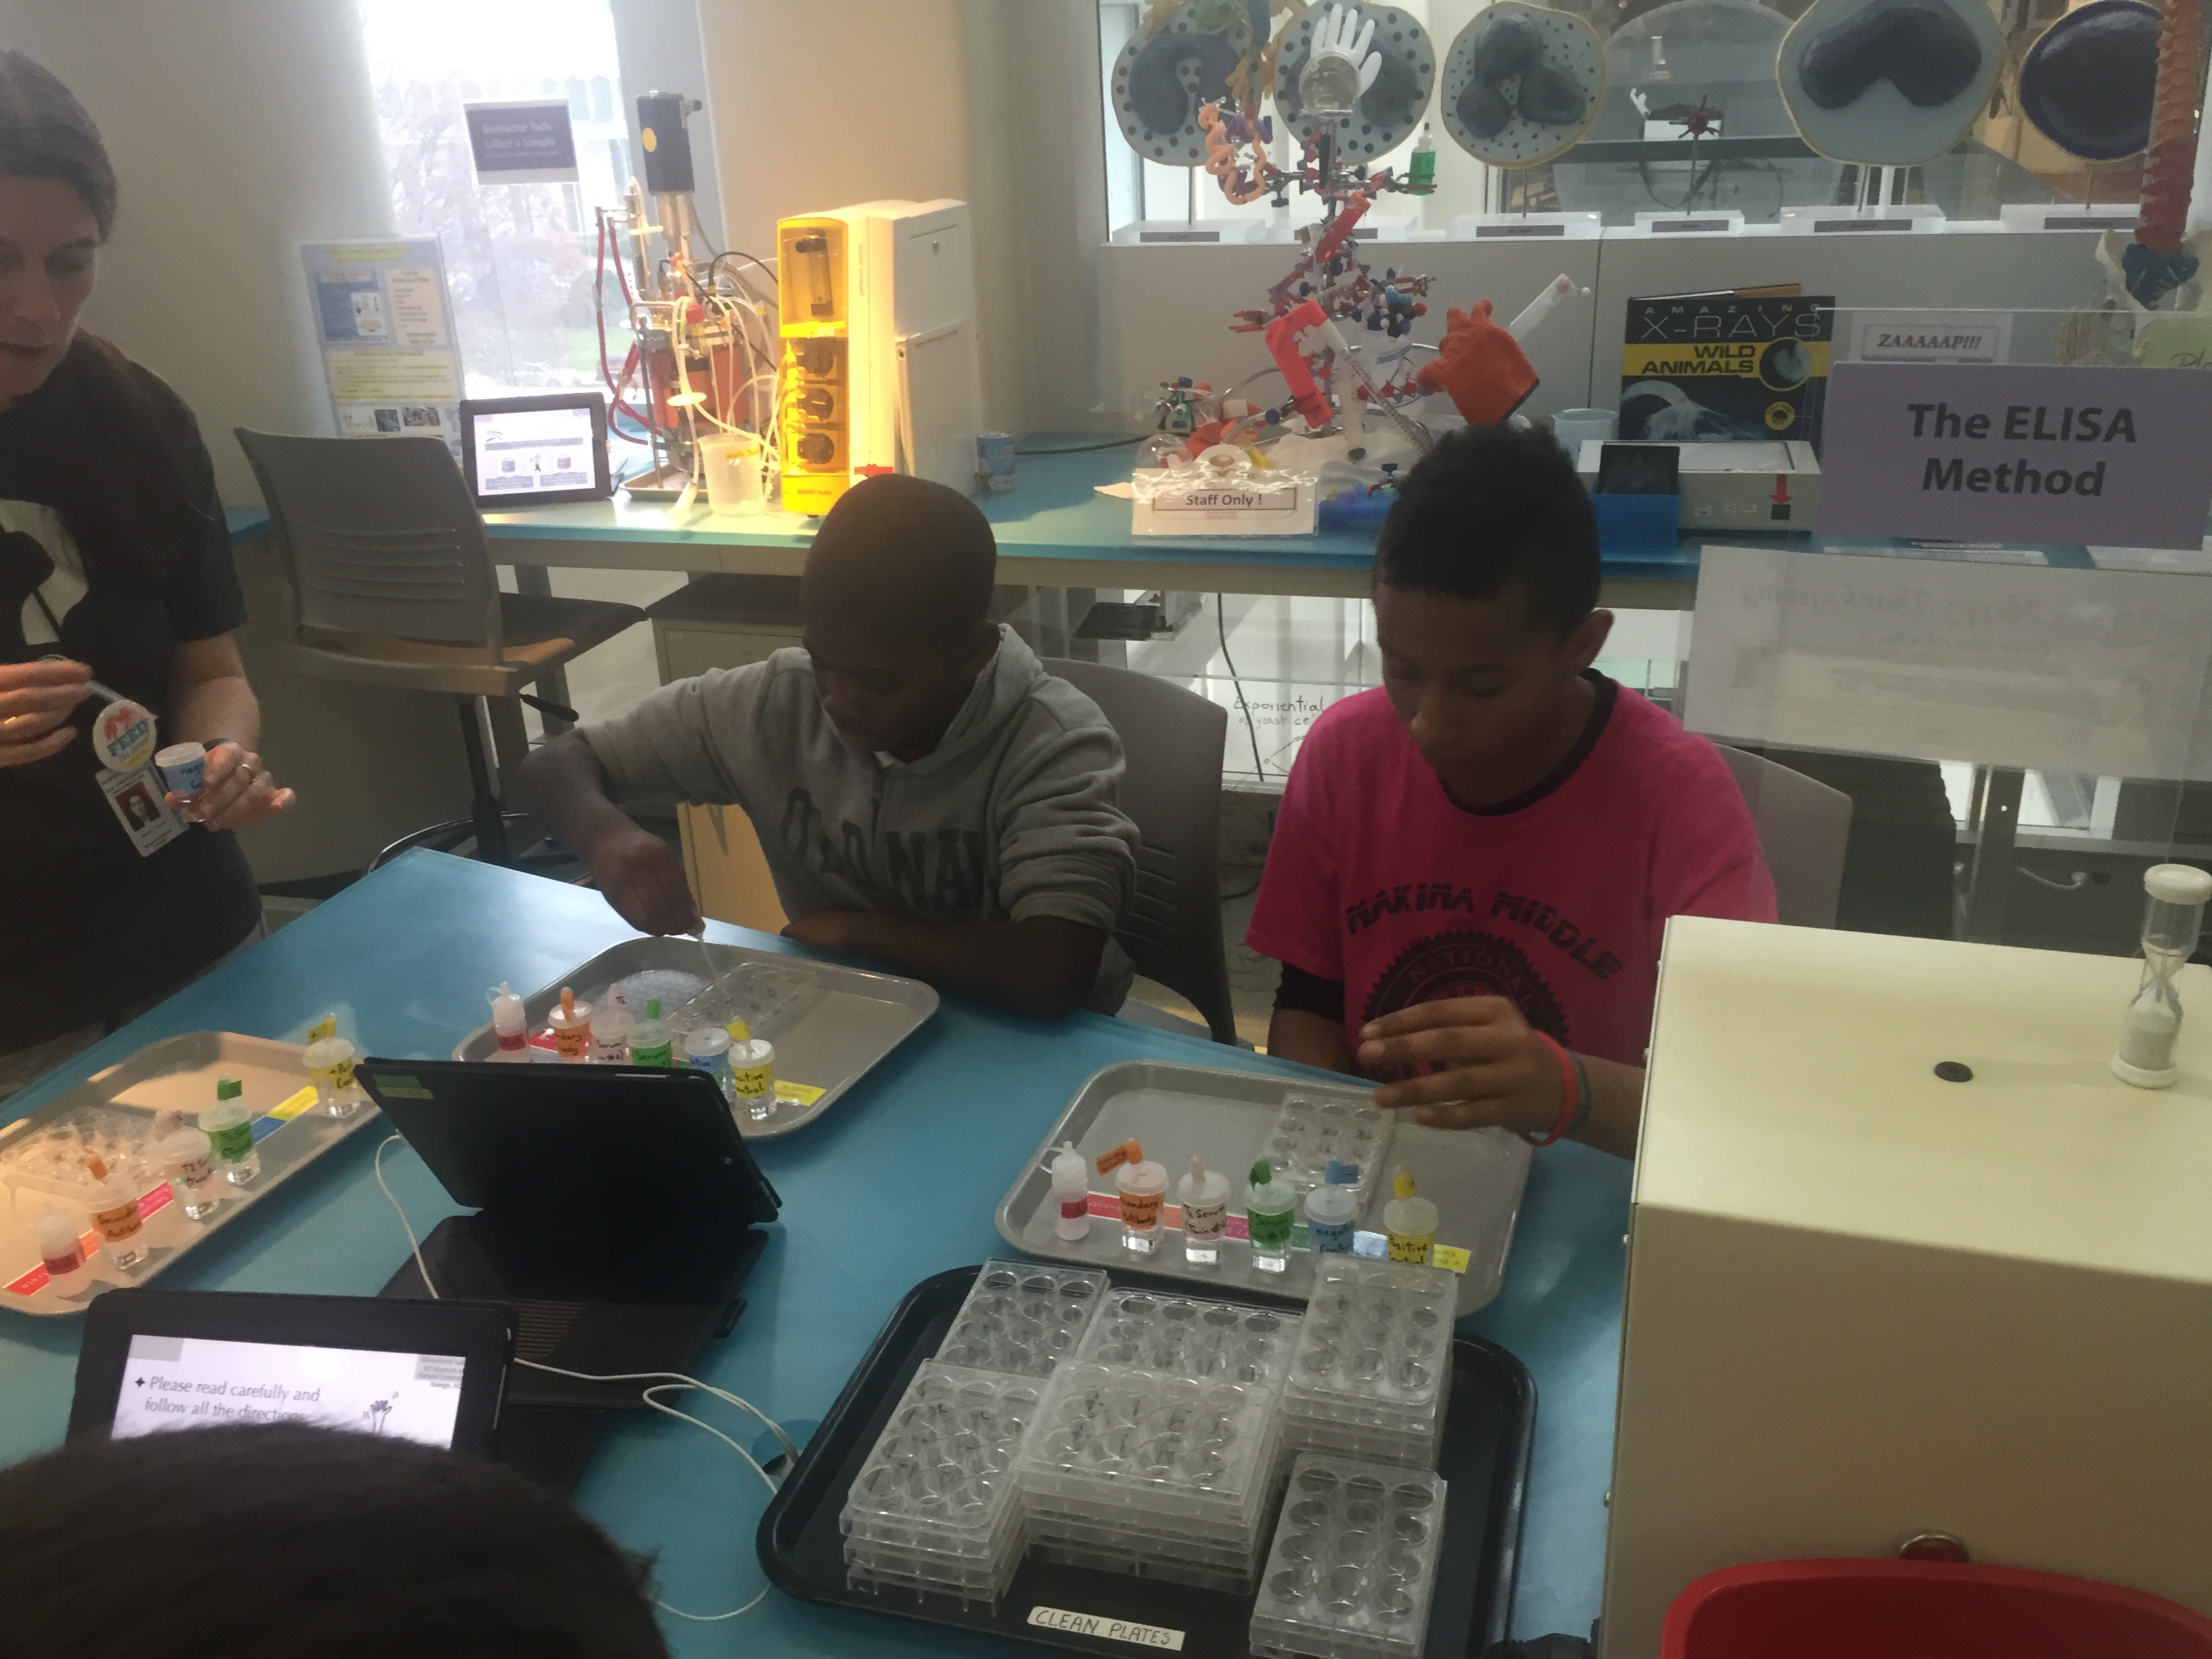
x=177, y=1073
x=832, y=1046
x=1475, y=1177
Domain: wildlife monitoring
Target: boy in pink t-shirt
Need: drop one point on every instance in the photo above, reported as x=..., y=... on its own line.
x=1474, y=863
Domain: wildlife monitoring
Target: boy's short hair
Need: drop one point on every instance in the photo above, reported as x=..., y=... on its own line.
x=1490, y=508
x=906, y=555
x=384, y=1547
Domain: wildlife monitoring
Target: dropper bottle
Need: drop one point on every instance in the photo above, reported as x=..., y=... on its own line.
x=572, y=1029
x=115, y=1216
x=1421, y=165
x=1070, y=1195
x=1409, y=1221
x=230, y=1129
x=61, y=1251
x=510, y=1028
x=1270, y=1207
x=188, y=1160
x=1204, y=1195
x=651, y=1040
x=1333, y=1207
x=752, y=1074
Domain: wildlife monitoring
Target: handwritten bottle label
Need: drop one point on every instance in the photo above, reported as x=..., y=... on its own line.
x=569, y=1042
x=193, y=1173
x=1073, y=1205
x=1411, y=1247
x=1140, y=1210
x=336, y=1078
x=753, y=1083
x=233, y=1144
x=1330, y=1237
x=119, y=1223
x=1271, y=1231
x=1205, y=1223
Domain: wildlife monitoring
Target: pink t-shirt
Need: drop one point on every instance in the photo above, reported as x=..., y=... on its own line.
x=1558, y=900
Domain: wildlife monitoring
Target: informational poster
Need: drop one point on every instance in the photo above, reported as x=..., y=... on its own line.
x=384, y=319
x=2101, y=671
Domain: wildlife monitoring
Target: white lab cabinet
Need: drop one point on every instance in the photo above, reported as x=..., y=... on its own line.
x=1865, y=1303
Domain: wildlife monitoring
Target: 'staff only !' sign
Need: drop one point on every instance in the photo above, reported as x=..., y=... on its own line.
x=2111, y=456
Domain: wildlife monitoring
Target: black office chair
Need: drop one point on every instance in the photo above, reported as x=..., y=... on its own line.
x=389, y=583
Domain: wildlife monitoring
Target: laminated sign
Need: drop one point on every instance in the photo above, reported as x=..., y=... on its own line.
x=2110, y=457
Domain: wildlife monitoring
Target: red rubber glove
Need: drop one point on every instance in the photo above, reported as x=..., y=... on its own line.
x=1480, y=366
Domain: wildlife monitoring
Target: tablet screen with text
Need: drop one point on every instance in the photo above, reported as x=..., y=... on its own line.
x=187, y=1382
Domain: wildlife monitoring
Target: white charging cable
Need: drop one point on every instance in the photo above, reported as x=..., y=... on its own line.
x=661, y=1382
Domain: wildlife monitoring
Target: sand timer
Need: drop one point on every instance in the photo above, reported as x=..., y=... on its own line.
x=2173, y=917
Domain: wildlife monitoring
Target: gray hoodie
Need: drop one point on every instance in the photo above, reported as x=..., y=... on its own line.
x=1013, y=815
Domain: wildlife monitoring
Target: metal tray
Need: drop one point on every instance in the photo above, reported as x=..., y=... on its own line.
x=832, y=1048
x=177, y=1073
x=1489, y=1427
x=1474, y=1177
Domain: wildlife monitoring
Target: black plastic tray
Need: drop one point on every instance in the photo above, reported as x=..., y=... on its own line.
x=1488, y=1429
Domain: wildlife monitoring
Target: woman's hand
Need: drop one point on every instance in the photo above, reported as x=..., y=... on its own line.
x=235, y=791
x=1486, y=1066
x=35, y=700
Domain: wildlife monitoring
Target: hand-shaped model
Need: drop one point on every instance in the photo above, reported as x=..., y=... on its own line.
x=1479, y=365
x=1338, y=68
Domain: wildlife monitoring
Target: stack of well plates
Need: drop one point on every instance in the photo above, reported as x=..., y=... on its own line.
x=1158, y=1451
x=936, y=1507
x=1354, y=1564
x=1370, y=1376
x=1023, y=1317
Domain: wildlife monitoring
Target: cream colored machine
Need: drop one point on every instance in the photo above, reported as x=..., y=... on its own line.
x=1865, y=1302
x=881, y=370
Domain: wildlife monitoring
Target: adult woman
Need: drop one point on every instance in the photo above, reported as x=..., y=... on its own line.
x=114, y=564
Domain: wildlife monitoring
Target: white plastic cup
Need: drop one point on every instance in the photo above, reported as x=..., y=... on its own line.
x=1574, y=427
x=182, y=767
x=732, y=464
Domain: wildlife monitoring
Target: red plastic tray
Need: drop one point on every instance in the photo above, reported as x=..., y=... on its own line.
x=1852, y=1609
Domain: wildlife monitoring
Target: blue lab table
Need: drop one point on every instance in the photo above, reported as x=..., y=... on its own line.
x=1054, y=531
x=899, y=1180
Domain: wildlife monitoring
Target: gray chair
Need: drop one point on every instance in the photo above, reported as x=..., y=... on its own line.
x=1803, y=827
x=391, y=583
x=1172, y=792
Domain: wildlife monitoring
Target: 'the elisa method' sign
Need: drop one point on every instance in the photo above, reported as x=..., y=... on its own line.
x=2111, y=456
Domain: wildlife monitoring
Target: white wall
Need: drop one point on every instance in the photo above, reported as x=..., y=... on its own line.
x=239, y=129
x=836, y=101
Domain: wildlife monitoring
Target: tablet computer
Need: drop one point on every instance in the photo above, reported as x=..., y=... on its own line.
x=533, y=452
x=157, y=1360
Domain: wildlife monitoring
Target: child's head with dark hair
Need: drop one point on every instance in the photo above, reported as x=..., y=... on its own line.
x=1486, y=595
x=896, y=603
x=270, y=1541
x=1492, y=508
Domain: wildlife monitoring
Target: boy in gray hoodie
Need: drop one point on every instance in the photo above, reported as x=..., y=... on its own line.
x=927, y=795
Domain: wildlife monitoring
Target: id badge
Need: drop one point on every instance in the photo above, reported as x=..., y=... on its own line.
x=136, y=798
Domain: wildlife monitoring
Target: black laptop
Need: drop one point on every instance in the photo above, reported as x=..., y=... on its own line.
x=618, y=1212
